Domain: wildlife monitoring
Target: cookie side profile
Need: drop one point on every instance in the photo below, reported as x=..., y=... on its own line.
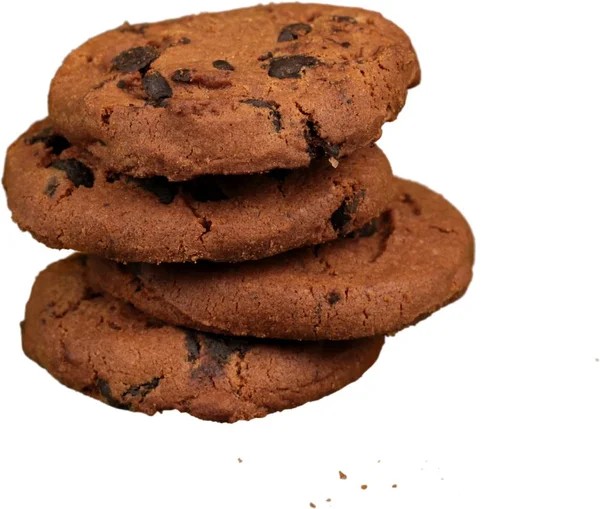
x=417, y=257
x=106, y=349
x=234, y=92
x=67, y=199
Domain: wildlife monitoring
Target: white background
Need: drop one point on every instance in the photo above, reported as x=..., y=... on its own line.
x=492, y=402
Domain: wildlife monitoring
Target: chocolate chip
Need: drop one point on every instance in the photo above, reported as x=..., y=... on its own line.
x=274, y=113
x=104, y=389
x=333, y=297
x=266, y=56
x=290, y=66
x=344, y=214
x=223, y=65
x=51, y=187
x=157, y=88
x=185, y=40
x=220, y=348
x=344, y=19
x=135, y=59
x=142, y=389
x=292, y=32
x=78, y=173
x=192, y=344
x=345, y=44
x=206, y=189
x=54, y=142
x=182, y=76
x=416, y=208
x=164, y=190
x=316, y=145
x=369, y=229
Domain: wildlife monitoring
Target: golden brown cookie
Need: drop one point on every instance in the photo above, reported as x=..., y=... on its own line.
x=106, y=349
x=415, y=259
x=67, y=199
x=242, y=91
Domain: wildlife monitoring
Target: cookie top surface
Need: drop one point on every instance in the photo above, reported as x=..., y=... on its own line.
x=105, y=348
x=242, y=91
x=67, y=199
x=417, y=258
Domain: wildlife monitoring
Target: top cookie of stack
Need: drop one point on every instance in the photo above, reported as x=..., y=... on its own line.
x=235, y=92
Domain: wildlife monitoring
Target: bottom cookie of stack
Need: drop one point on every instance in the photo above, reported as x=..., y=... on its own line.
x=105, y=348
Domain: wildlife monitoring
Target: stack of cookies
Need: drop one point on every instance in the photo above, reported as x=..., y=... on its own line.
x=245, y=244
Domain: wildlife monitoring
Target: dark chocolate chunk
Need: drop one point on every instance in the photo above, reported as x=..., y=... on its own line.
x=220, y=348
x=369, y=229
x=185, y=40
x=142, y=389
x=135, y=59
x=292, y=32
x=192, y=344
x=223, y=65
x=316, y=145
x=266, y=56
x=344, y=19
x=206, y=189
x=182, y=76
x=54, y=142
x=274, y=113
x=290, y=66
x=409, y=200
x=259, y=103
x=157, y=88
x=78, y=173
x=104, y=389
x=51, y=187
x=344, y=214
x=333, y=297
x=164, y=190
x=345, y=44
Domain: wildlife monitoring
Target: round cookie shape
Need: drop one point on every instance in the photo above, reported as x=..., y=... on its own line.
x=106, y=349
x=416, y=258
x=67, y=199
x=234, y=92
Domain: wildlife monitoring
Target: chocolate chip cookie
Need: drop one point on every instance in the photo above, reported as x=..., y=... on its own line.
x=242, y=91
x=414, y=259
x=106, y=349
x=68, y=199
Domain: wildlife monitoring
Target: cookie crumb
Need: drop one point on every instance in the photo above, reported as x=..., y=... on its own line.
x=394, y=485
x=378, y=461
x=328, y=500
x=240, y=460
x=363, y=487
x=312, y=505
x=342, y=475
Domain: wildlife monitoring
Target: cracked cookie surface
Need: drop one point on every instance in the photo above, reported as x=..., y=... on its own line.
x=106, y=349
x=416, y=258
x=242, y=91
x=67, y=199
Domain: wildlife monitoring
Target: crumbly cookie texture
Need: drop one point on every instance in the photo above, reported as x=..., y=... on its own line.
x=242, y=91
x=106, y=349
x=416, y=258
x=67, y=199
